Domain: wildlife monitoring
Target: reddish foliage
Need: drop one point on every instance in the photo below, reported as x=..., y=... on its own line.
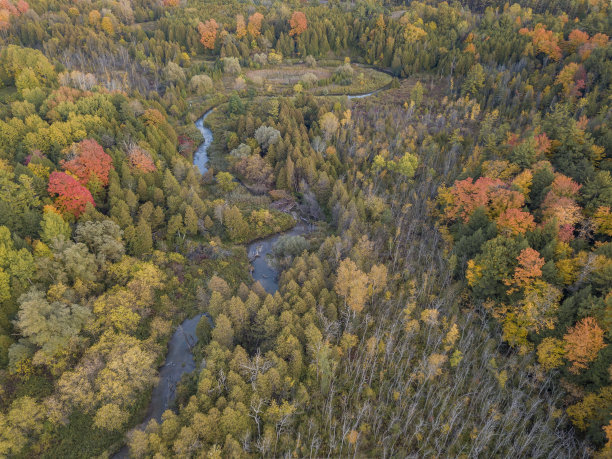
x=468, y=196
x=254, y=27
x=89, y=162
x=141, y=159
x=543, y=143
x=513, y=139
x=529, y=268
x=298, y=23
x=492, y=194
x=65, y=94
x=566, y=233
x=583, y=342
x=515, y=221
x=573, y=79
x=153, y=117
x=576, y=39
x=72, y=196
x=22, y=6
x=563, y=209
x=502, y=199
x=185, y=145
x=545, y=41
x=9, y=7
x=598, y=40
x=208, y=33
x=562, y=185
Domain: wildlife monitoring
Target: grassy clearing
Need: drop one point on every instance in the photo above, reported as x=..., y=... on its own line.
x=281, y=80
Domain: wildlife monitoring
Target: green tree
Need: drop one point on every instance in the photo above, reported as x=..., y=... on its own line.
x=474, y=81
x=226, y=182
x=191, y=221
x=49, y=326
x=53, y=226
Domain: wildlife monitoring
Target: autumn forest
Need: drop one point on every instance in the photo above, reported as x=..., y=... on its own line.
x=263, y=228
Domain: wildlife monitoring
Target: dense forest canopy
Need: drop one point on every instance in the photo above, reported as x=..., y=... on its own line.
x=451, y=295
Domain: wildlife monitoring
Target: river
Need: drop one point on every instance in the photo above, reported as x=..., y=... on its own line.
x=200, y=157
x=179, y=359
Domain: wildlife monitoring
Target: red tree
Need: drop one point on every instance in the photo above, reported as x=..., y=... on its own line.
x=576, y=39
x=89, y=162
x=493, y=194
x=254, y=27
x=529, y=268
x=563, y=185
x=141, y=159
x=545, y=41
x=72, y=196
x=208, y=33
x=298, y=23
x=515, y=221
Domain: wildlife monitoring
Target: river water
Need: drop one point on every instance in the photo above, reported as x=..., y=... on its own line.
x=200, y=157
x=262, y=271
x=179, y=359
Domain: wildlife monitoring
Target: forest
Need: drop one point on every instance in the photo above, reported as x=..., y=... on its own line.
x=315, y=228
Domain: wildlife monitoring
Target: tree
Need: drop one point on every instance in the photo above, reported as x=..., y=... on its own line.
x=352, y=285
x=49, y=326
x=231, y=65
x=53, y=226
x=72, y=196
x=226, y=182
x=407, y=165
x=89, y=162
x=329, y=124
x=140, y=159
x=204, y=330
x=208, y=33
x=474, y=81
x=529, y=268
x=256, y=171
x=266, y=136
x=142, y=241
x=572, y=78
x=466, y=196
x=200, y=83
x=254, y=27
x=191, y=221
x=107, y=26
x=235, y=224
x=103, y=238
x=413, y=33
x=298, y=23
x=545, y=41
x=223, y=332
x=174, y=73
x=487, y=272
x=513, y=222
x=241, y=30
x=21, y=425
x=551, y=353
x=583, y=342
x=110, y=417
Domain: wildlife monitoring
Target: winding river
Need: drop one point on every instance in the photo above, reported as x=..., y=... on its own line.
x=179, y=359
x=200, y=157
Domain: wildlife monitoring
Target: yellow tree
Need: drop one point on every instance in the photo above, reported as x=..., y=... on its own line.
x=352, y=285
x=241, y=30
x=583, y=342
